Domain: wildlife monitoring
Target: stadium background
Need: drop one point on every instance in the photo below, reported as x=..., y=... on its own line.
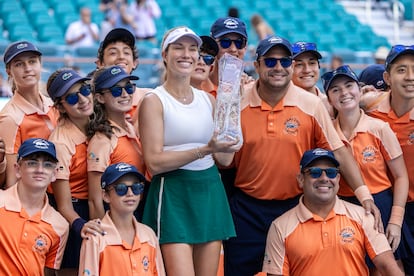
x=325, y=22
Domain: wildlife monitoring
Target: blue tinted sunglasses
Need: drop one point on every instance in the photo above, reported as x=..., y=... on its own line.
x=208, y=59
x=116, y=91
x=271, y=62
x=303, y=46
x=316, y=172
x=226, y=43
x=73, y=98
x=400, y=48
x=121, y=189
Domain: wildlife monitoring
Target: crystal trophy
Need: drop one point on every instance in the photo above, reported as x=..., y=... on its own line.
x=227, y=114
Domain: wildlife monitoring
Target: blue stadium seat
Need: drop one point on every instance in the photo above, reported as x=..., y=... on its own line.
x=87, y=51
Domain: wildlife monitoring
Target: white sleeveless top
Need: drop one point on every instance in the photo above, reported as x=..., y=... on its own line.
x=187, y=126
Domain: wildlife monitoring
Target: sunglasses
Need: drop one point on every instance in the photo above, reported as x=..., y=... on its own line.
x=303, y=46
x=344, y=69
x=116, y=91
x=73, y=98
x=226, y=43
x=316, y=172
x=284, y=61
x=208, y=59
x=400, y=48
x=122, y=189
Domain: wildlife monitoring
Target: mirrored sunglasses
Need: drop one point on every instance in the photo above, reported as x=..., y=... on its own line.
x=116, y=91
x=73, y=98
x=316, y=172
x=225, y=43
x=208, y=59
x=303, y=46
x=399, y=48
x=271, y=62
x=121, y=189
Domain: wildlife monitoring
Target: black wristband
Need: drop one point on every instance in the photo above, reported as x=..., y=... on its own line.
x=78, y=224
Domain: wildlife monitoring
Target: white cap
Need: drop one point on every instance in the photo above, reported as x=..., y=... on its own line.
x=178, y=33
x=381, y=53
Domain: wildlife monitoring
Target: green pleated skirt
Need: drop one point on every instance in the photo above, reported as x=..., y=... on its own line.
x=191, y=207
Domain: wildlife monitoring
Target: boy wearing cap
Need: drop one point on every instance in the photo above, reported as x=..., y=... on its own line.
x=280, y=121
x=397, y=108
x=28, y=114
x=118, y=48
x=306, y=70
x=32, y=234
x=129, y=247
x=373, y=86
x=324, y=235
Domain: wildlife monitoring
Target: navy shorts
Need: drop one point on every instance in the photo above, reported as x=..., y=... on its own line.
x=409, y=222
x=243, y=255
x=72, y=250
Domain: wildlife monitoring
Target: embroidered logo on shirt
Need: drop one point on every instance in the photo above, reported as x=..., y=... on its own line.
x=145, y=263
x=369, y=154
x=411, y=138
x=347, y=235
x=86, y=272
x=292, y=126
x=40, y=244
x=92, y=156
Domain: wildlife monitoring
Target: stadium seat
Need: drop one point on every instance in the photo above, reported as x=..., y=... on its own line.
x=50, y=33
x=87, y=51
x=9, y=6
x=21, y=32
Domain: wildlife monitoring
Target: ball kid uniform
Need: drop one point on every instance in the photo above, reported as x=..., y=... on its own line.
x=123, y=146
x=23, y=120
x=110, y=255
x=302, y=243
x=403, y=128
x=71, y=150
x=28, y=244
x=274, y=139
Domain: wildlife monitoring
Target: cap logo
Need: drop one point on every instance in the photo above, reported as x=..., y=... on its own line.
x=231, y=23
x=380, y=83
x=40, y=144
x=122, y=167
x=320, y=152
x=275, y=40
x=66, y=76
x=115, y=71
x=22, y=46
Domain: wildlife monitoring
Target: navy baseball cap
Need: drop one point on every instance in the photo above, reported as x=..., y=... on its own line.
x=118, y=34
x=111, y=76
x=36, y=145
x=115, y=171
x=396, y=51
x=268, y=43
x=314, y=154
x=227, y=25
x=63, y=82
x=305, y=47
x=343, y=70
x=209, y=44
x=373, y=75
x=17, y=48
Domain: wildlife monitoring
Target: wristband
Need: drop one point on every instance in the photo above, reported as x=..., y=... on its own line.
x=3, y=165
x=397, y=215
x=363, y=193
x=78, y=224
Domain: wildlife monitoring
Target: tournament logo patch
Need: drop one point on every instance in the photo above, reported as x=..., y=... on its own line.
x=411, y=138
x=40, y=245
x=93, y=157
x=292, y=126
x=347, y=235
x=369, y=154
x=145, y=263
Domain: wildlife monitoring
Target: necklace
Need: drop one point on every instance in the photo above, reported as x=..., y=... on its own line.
x=184, y=99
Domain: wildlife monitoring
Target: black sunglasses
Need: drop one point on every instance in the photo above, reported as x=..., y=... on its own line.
x=208, y=59
x=116, y=91
x=226, y=43
x=271, y=62
x=316, y=172
x=73, y=98
x=121, y=189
